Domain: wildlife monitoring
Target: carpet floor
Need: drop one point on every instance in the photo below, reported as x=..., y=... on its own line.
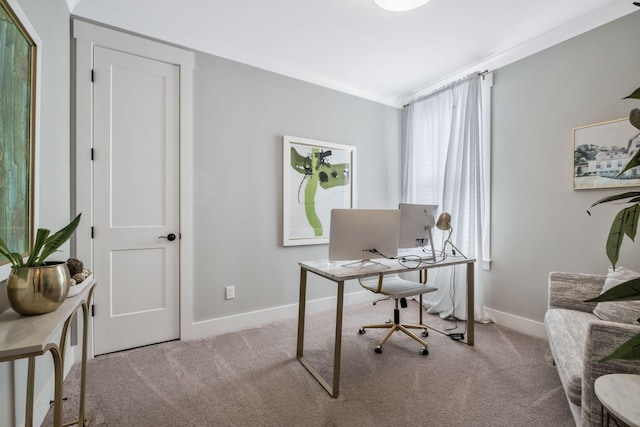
x=252, y=378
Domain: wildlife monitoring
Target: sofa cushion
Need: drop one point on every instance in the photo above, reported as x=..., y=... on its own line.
x=567, y=332
x=618, y=311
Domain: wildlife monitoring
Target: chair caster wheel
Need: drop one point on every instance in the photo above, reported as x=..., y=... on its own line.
x=425, y=333
x=425, y=351
x=361, y=331
x=378, y=350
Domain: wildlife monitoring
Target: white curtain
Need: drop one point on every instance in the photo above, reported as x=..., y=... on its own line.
x=443, y=163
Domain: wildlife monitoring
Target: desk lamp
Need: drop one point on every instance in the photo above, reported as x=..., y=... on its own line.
x=444, y=224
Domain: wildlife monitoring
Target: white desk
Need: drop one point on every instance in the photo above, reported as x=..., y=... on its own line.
x=337, y=272
x=31, y=336
x=619, y=394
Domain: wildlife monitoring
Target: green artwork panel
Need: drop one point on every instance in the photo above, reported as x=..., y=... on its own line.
x=16, y=115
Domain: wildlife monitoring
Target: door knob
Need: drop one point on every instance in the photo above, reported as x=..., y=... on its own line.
x=170, y=237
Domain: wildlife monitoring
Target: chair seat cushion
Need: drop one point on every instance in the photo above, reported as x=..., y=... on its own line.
x=396, y=287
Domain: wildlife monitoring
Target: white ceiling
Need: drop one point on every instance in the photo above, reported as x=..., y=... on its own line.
x=353, y=45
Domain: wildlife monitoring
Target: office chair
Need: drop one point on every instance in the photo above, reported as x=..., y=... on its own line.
x=398, y=289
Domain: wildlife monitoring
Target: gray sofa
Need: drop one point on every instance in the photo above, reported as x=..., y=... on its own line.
x=578, y=339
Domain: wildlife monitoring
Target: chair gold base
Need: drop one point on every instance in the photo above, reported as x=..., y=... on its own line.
x=404, y=327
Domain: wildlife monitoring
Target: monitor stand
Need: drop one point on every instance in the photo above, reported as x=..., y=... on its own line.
x=433, y=249
x=362, y=263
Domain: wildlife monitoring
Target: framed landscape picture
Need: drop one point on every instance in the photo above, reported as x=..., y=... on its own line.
x=317, y=177
x=600, y=153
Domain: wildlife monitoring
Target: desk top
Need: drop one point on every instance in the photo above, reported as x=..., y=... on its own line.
x=619, y=394
x=20, y=335
x=345, y=270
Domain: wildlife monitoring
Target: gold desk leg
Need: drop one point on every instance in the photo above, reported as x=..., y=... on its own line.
x=57, y=396
x=83, y=372
x=423, y=279
x=302, y=301
x=338, y=341
x=334, y=389
x=470, y=302
x=28, y=416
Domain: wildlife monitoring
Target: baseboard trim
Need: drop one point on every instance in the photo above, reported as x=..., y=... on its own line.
x=517, y=323
x=253, y=319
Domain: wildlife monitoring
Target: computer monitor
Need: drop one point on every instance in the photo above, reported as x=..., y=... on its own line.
x=416, y=223
x=356, y=232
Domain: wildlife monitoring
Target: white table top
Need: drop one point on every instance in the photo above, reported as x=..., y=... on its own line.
x=345, y=270
x=21, y=335
x=620, y=394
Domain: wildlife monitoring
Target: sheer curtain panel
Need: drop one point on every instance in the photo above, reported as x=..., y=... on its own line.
x=445, y=162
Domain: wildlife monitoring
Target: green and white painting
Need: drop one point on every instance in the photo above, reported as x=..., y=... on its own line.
x=17, y=51
x=318, y=176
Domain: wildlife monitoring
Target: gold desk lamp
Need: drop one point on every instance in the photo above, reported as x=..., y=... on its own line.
x=444, y=224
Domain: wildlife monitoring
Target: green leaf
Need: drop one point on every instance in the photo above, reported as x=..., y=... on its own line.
x=18, y=259
x=631, y=221
x=41, y=237
x=56, y=240
x=630, y=350
x=634, y=95
x=614, y=241
x=626, y=291
x=620, y=196
x=635, y=161
x=4, y=251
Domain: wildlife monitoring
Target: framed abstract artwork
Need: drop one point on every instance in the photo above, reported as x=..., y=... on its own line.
x=317, y=177
x=18, y=56
x=600, y=153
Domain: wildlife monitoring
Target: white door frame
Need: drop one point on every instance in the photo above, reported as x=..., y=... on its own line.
x=86, y=37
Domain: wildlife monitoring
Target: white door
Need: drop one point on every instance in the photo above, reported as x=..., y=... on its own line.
x=136, y=200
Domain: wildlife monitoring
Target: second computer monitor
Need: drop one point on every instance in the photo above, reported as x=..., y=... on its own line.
x=416, y=222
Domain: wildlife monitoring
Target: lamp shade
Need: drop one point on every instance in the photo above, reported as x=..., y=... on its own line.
x=400, y=5
x=444, y=221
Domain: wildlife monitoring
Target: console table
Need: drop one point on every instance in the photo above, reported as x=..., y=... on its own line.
x=338, y=272
x=30, y=336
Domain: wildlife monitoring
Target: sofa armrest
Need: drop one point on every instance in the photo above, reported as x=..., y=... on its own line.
x=570, y=290
x=602, y=339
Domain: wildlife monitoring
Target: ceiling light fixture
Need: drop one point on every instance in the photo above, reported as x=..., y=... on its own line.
x=400, y=5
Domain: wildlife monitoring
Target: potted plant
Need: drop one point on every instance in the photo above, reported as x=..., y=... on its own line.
x=36, y=286
x=625, y=223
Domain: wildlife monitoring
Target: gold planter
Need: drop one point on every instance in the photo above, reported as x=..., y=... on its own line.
x=38, y=290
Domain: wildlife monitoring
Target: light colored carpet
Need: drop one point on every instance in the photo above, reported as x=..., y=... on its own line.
x=252, y=378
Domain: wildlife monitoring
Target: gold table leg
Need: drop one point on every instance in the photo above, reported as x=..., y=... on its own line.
x=470, y=303
x=333, y=389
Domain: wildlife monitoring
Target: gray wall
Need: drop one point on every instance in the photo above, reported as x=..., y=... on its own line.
x=241, y=114
x=51, y=21
x=539, y=223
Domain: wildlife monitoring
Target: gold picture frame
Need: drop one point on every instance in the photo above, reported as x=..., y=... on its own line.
x=600, y=153
x=18, y=62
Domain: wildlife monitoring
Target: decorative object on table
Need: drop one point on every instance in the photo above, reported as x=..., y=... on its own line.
x=78, y=273
x=317, y=177
x=444, y=224
x=18, y=53
x=600, y=153
x=625, y=223
x=35, y=286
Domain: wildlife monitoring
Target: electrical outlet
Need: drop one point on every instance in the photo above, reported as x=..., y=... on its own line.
x=230, y=292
